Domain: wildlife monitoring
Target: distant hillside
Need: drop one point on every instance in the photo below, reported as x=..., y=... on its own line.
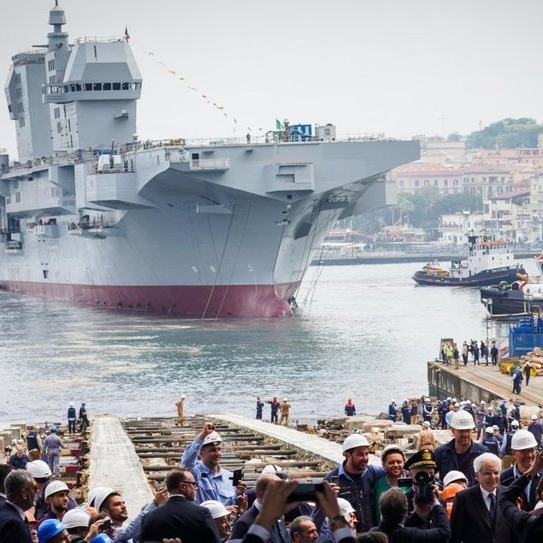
x=506, y=134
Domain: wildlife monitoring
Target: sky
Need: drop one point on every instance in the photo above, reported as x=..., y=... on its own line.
x=398, y=67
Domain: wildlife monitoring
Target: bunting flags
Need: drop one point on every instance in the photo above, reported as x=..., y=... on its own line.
x=204, y=96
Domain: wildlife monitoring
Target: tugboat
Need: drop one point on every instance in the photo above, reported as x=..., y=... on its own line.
x=489, y=261
x=524, y=295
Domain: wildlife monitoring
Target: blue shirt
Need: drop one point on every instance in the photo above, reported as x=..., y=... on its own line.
x=211, y=486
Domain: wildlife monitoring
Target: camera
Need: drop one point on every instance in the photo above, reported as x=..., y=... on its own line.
x=106, y=526
x=405, y=482
x=237, y=476
x=424, y=487
x=306, y=492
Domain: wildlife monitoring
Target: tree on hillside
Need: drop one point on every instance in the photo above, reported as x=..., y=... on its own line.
x=454, y=203
x=418, y=207
x=506, y=134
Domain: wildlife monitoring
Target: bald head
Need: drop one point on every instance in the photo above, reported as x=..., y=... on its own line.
x=262, y=484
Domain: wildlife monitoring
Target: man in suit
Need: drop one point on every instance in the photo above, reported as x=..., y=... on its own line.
x=475, y=516
x=274, y=505
x=279, y=533
x=180, y=517
x=21, y=491
x=4, y=470
x=523, y=447
x=527, y=526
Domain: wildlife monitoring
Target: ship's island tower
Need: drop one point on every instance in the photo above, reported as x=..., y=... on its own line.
x=73, y=97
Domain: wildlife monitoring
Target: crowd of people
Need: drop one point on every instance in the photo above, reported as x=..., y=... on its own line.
x=476, y=351
x=47, y=447
x=461, y=491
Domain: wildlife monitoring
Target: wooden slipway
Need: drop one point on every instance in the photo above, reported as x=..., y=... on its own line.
x=133, y=455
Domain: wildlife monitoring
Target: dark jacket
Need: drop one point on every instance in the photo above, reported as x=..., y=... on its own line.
x=252, y=538
x=438, y=529
x=506, y=479
x=243, y=523
x=529, y=528
x=13, y=528
x=471, y=522
x=447, y=460
x=359, y=493
x=179, y=517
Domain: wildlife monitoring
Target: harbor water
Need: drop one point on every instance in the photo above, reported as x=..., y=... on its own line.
x=364, y=332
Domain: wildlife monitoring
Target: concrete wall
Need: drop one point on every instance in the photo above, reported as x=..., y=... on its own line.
x=443, y=384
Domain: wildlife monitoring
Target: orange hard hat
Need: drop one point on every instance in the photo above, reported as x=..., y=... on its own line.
x=450, y=491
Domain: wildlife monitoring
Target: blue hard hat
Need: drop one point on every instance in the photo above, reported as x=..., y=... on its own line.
x=49, y=528
x=101, y=538
x=53, y=428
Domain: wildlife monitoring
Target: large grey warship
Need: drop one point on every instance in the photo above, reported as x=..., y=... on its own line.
x=92, y=214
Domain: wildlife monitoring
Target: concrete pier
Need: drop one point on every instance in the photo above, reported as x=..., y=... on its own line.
x=328, y=451
x=480, y=382
x=114, y=463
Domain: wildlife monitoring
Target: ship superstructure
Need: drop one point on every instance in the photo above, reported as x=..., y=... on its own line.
x=93, y=215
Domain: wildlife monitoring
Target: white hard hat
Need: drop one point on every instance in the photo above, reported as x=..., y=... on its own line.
x=462, y=420
x=489, y=430
x=38, y=469
x=285, y=399
x=101, y=496
x=353, y=441
x=76, y=518
x=522, y=439
x=93, y=492
x=217, y=509
x=345, y=507
x=452, y=476
x=275, y=470
x=534, y=417
x=212, y=438
x=55, y=486
x=514, y=423
x=427, y=424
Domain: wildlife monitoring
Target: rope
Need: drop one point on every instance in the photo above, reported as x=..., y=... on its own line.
x=235, y=260
x=220, y=262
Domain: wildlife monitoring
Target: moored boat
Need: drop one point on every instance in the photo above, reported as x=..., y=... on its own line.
x=523, y=295
x=488, y=261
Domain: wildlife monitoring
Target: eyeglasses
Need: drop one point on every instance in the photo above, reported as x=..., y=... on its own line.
x=193, y=484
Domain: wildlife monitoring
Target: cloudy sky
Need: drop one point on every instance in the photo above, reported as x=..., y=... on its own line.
x=402, y=67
